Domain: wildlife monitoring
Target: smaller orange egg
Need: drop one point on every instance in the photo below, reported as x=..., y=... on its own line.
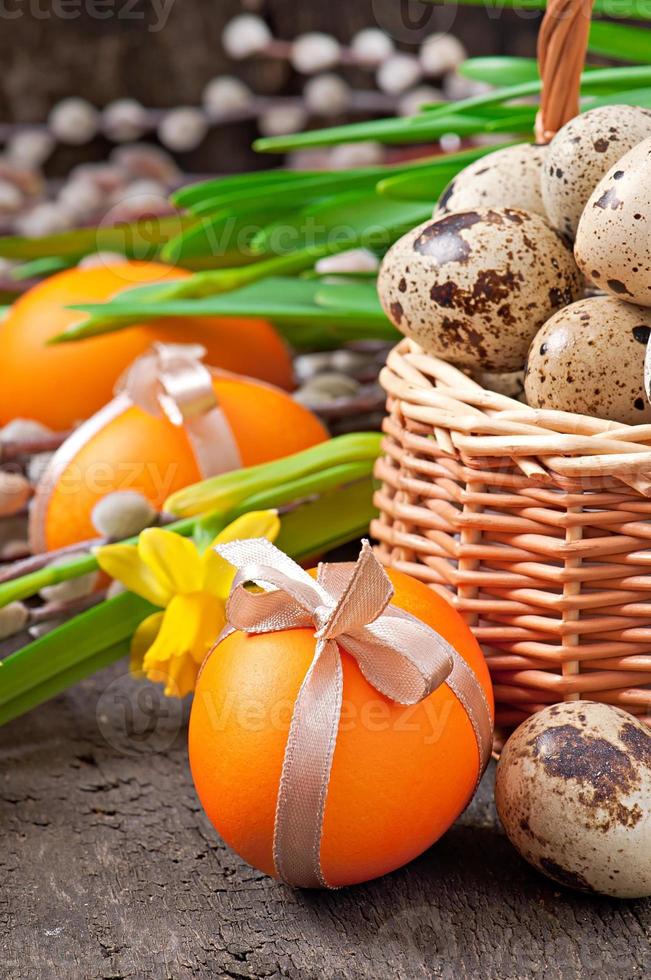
x=62, y=384
x=400, y=774
x=133, y=450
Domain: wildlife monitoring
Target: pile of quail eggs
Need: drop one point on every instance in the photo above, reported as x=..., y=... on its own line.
x=537, y=266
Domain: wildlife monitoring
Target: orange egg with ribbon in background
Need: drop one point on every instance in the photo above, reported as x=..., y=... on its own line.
x=172, y=422
x=60, y=385
x=343, y=721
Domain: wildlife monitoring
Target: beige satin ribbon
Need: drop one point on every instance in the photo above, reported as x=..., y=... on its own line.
x=167, y=382
x=400, y=656
x=170, y=381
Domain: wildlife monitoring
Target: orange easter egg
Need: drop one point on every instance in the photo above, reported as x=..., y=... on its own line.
x=137, y=451
x=400, y=775
x=63, y=384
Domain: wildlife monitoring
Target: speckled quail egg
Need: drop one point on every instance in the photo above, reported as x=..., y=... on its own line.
x=589, y=358
x=475, y=286
x=581, y=153
x=507, y=178
x=573, y=791
x=510, y=383
x=613, y=241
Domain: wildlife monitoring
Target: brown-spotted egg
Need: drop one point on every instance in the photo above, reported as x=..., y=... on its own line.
x=573, y=792
x=475, y=286
x=613, y=241
x=580, y=154
x=589, y=359
x=506, y=178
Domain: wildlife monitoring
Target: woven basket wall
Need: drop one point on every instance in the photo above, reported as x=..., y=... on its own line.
x=533, y=523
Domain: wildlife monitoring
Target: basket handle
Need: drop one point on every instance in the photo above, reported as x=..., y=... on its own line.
x=562, y=46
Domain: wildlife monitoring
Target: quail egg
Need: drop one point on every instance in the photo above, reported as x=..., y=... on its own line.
x=581, y=153
x=589, y=358
x=506, y=178
x=613, y=241
x=475, y=286
x=573, y=792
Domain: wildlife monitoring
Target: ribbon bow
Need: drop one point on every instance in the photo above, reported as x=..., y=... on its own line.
x=400, y=656
x=169, y=381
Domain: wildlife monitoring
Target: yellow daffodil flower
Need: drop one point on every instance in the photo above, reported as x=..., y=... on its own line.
x=192, y=589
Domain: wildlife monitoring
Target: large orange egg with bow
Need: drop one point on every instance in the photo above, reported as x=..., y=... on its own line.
x=126, y=448
x=62, y=384
x=400, y=774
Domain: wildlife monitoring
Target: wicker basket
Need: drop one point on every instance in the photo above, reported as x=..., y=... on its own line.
x=534, y=523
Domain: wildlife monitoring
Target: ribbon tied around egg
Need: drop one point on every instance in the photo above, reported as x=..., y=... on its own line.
x=169, y=381
x=399, y=655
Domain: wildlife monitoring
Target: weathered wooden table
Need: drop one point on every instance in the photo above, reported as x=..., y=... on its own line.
x=108, y=868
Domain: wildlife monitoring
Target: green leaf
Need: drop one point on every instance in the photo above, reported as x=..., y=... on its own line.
x=137, y=239
x=620, y=42
x=223, y=493
x=290, y=192
x=500, y=70
x=41, y=665
x=494, y=8
x=280, y=300
x=333, y=519
x=224, y=187
x=430, y=125
x=348, y=219
x=225, y=237
x=360, y=297
x=38, y=268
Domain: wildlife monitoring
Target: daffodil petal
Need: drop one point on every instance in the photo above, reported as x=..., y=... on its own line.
x=173, y=559
x=142, y=640
x=123, y=562
x=256, y=524
x=190, y=626
x=218, y=573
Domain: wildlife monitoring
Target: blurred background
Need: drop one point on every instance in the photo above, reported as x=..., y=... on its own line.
x=106, y=105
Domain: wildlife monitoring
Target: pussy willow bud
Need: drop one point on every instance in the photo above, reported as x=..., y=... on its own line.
x=75, y=588
x=37, y=466
x=327, y=95
x=282, y=120
x=23, y=430
x=13, y=618
x=30, y=147
x=354, y=260
x=371, y=47
x=412, y=102
x=226, y=95
x=183, y=129
x=315, y=52
x=47, y=218
x=398, y=73
x=96, y=259
x=11, y=199
x=245, y=36
x=122, y=514
x=440, y=54
x=15, y=491
x=74, y=121
x=348, y=155
x=125, y=120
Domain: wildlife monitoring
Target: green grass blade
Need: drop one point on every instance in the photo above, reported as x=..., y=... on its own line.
x=620, y=42
x=138, y=239
x=430, y=125
x=494, y=8
x=500, y=70
x=231, y=489
x=97, y=629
